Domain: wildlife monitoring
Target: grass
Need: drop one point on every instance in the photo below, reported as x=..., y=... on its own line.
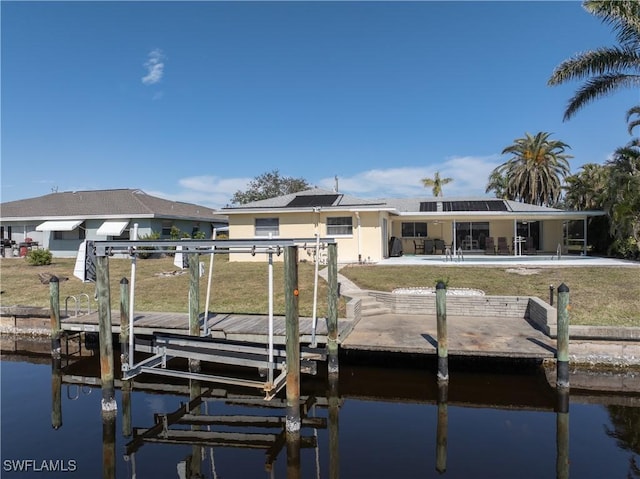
x=236, y=287
x=599, y=296
x=604, y=296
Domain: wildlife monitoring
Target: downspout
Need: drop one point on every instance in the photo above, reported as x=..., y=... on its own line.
x=359, y=238
x=515, y=236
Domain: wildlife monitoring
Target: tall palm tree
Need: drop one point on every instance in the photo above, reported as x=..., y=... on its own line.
x=608, y=68
x=499, y=184
x=436, y=183
x=536, y=169
x=586, y=189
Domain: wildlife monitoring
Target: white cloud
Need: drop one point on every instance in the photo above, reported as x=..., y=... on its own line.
x=470, y=175
x=210, y=191
x=155, y=67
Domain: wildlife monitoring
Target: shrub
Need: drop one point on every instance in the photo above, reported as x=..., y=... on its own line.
x=142, y=249
x=39, y=257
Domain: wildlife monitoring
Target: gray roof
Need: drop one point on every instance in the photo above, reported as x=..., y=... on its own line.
x=412, y=205
x=105, y=203
x=284, y=200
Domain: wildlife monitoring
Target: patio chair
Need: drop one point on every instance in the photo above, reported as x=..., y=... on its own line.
x=438, y=245
x=428, y=246
x=418, y=246
x=503, y=246
x=489, y=245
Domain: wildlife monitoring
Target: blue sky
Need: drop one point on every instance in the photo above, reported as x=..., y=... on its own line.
x=190, y=101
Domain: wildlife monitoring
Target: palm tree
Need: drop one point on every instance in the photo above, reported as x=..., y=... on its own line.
x=536, y=169
x=499, y=184
x=608, y=68
x=436, y=183
x=624, y=193
x=586, y=189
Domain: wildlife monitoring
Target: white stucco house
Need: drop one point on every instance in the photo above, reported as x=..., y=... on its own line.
x=368, y=230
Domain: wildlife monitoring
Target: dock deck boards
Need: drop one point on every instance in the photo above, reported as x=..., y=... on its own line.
x=393, y=333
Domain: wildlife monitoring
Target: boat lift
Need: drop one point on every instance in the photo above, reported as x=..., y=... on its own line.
x=268, y=359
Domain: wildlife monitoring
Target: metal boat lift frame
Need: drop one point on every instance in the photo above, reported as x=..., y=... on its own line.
x=201, y=347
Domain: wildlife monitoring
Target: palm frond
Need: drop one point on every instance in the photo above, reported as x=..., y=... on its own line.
x=598, y=87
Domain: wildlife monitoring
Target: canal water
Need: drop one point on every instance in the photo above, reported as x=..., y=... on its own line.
x=373, y=423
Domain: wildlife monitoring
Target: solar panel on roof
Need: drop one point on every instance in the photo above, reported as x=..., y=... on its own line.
x=429, y=206
x=483, y=205
x=313, y=200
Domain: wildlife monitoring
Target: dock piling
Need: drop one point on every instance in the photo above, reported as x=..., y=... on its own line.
x=332, y=308
x=124, y=322
x=56, y=328
x=56, y=392
x=441, y=315
x=562, y=434
x=194, y=304
x=109, y=404
x=442, y=427
x=292, y=337
x=562, y=361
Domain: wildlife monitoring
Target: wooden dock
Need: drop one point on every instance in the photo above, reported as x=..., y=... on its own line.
x=383, y=333
x=232, y=326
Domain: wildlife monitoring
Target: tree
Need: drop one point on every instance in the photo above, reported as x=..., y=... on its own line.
x=623, y=198
x=605, y=69
x=436, y=183
x=536, y=169
x=269, y=185
x=586, y=189
x=499, y=184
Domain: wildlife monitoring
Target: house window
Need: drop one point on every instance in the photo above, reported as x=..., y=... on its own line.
x=75, y=234
x=340, y=225
x=414, y=230
x=166, y=229
x=267, y=226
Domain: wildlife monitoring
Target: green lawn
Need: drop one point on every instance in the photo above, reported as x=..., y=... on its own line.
x=605, y=296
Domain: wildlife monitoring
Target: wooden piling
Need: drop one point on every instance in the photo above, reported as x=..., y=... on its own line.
x=332, y=308
x=56, y=392
x=109, y=446
x=194, y=304
x=126, y=407
x=441, y=316
x=56, y=328
x=125, y=328
x=292, y=337
x=442, y=427
x=195, y=458
x=562, y=434
x=334, y=435
x=562, y=360
x=106, y=340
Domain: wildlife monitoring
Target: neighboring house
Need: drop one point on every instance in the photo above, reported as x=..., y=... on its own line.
x=364, y=229
x=61, y=221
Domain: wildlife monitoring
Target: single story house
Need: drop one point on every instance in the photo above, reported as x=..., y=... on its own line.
x=61, y=221
x=370, y=230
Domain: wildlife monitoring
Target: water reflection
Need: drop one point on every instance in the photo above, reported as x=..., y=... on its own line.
x=367, y=422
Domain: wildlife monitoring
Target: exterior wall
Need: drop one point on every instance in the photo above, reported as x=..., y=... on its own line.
x=364, y=243
x=552, y=235
x=68, y=248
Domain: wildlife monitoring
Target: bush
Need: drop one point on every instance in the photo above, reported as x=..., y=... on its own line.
x=150, y=237
x=39, y=257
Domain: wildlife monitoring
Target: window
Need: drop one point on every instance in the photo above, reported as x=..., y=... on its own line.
x=267, y=226
x=414, y=230
x=75, y=234
x=340, y=225
x=166, y=228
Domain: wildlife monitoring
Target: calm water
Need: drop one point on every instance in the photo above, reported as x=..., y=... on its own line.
x=496, y=426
